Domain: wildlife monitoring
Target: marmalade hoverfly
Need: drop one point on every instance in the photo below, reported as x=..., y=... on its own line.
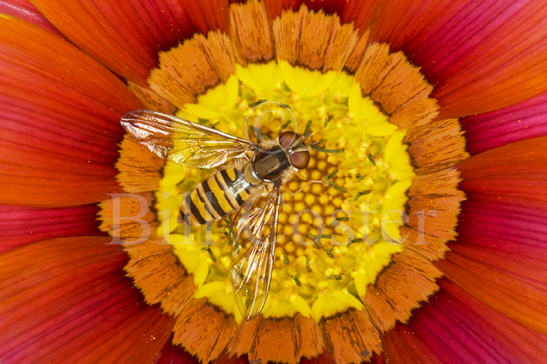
x=247, y=174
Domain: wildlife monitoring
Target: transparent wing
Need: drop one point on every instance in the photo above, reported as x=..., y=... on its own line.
x=254, y=252
x=183, y=141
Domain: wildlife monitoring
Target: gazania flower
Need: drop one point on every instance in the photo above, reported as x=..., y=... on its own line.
x=415, y=235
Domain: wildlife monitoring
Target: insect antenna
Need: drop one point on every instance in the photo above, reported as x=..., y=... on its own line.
x=296, y=280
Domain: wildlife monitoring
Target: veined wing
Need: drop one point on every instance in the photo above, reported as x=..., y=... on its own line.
x=254, y=255
x=183, y=141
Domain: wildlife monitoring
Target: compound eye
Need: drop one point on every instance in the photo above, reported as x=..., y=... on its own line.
x=300, y=160
x=287, y=138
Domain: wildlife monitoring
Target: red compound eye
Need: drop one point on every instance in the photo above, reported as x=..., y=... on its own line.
x=300, y=160
x=287, y=138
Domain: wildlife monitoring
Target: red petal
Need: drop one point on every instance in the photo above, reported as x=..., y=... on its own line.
x=456, y=328
x=23, y=9
x=276, y=7
x=61, y=113
x=525, y=120
x=126, y=36
x=482, y=55
x=360, y=12
x=500, y=255
x=171, y=354
x=67, y=300
x=513, y=174
x=23, y=225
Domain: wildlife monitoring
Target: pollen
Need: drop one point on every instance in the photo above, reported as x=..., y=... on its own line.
x=333, y=226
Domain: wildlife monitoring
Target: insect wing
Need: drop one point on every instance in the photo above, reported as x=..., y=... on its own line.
x=184, y=142
x=254, y=252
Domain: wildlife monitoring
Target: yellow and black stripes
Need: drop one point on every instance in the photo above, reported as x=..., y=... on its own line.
x=219, y=195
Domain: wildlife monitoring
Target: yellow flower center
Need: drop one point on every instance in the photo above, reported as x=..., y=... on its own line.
x=339, y=221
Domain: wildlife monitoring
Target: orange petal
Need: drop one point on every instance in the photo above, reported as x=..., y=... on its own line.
x=23, y=9
x=61, y=120
x=251, y=33
x=204, y=330
x=313, y=40
x=285, y=339
x=127, y=36
x=351, y=336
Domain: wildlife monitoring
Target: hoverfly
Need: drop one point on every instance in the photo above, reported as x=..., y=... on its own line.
x=247, y=174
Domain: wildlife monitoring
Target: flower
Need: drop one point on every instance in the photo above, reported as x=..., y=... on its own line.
x=438, y=108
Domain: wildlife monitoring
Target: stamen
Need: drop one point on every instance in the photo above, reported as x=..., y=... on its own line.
x=308, y=267
x=283, y=127
x=335, y=277
x=286, y=260
x=307, y=131
x=329, y=252
x=260, y=101
x=353, y=241
x=296, y=280
x=332, y=174
x=361, y=193
x=327, y=120
x=338, y=220
x=360, y=177
x=317, y=238
x=211, y=254
x=231, y=233
x=371, y=159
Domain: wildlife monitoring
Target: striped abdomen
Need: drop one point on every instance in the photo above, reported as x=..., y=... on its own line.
x=221, y=194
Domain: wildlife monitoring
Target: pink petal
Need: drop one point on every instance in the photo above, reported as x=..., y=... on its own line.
x=525, y=120
x=481, y=55
x=456, y=328
x=67, y=300
x=22, y=225
x=61, y=113
x=126, y=36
